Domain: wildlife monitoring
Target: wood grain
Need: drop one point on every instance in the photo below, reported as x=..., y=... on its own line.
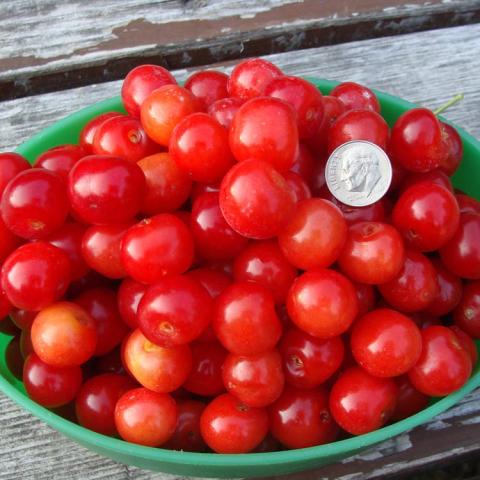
x=101, y=40
x=424, y=67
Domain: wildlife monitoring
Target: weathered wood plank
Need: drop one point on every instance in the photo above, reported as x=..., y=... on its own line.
x=46, y=45
x=424, y=67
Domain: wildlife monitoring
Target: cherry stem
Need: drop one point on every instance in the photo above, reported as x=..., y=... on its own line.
x=447, y=105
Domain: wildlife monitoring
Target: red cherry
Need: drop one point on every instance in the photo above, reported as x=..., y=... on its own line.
x=354, y=96
x=467, y=204
x=301, y=418
x=455, y=149
x=315, y=235
x=427, y=215
x=250, y=78
x=304, y=164
x=5, y=305
x=23, y=319
x=322, y=303
x=34, y=204
x=145, y=417
x=96, y=400
x=367, y=297
x=208, y=86
x=129, y=295
x=255, y=199
x=224, y=110
x=304, y=97
x=8, y=241
x=361, y=403
x=245, y=320
x=415, y=287
x=416, y=141
x=157, y=246
x=50, y=386
x=88, y=131
x=300, y=189
x=140, y=82
x=309, y=361
x=61, y=159
x=373, y=253
x=461, y=254
x=35, y=275
x=167, y=187
x=386, y=343
x=467, y=313
x=449, y=291
x=105, y=189
x=433, y=176
x=230, y=426
x=409, y=400
x=11, y=164
x=358, y=125
x=466, y=341
x=444, y=365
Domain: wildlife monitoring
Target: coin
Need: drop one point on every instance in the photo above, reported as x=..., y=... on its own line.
x=358, y=173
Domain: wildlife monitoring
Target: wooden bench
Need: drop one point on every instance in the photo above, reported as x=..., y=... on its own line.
x=73, y=50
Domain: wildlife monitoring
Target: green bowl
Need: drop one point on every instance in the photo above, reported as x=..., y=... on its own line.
x=214, y=465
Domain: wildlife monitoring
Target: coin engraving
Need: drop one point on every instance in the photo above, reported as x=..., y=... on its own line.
x=358, y=173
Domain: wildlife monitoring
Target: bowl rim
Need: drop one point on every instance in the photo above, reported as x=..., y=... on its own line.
x=340, y=448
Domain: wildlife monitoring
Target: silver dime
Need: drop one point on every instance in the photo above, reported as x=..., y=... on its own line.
x=358, y=173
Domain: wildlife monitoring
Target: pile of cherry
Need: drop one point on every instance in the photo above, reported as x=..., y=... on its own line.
x=183, y=278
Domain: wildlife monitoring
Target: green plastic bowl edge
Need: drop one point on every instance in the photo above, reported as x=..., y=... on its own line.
x=214, y=465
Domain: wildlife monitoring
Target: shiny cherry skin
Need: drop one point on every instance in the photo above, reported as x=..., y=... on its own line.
x=305, y=99
x=255, y=199
x=309, y=361
x=322, y=303
x=332, y=109
x=373, y=253
x=187, y=436
x=245, y=320
x=11, y=164
x=105, y=189
x=199, y=146
x=157, y=246
x=265, y=264
x=467, y=204
x=301, y=418
x=355, y=96
x=34, y=204
x=8, y=241
x=230, y=426
x=467, y=314
x=208, y=86
x=87, y=133
x=415, y=287
x=145, y=417
x=250, y=78
x=101, y=305
x=50, y=386
x=367, y=297
x=358, y=125
x=461, y=254
x=409, y=400
x=96, y=400
x=35, y=275
x=427, y=216
x=386, y=343
x=455, y=149
x=167, y=187
x=140, y=82
x=164, y=108
x=5, y=305
x=123, y=136
x=304, y=164
x=315, y=235
x=68, y=238
x=360, y=402
x=213, y=236
x=444, y=365
x=256, y=380
x=449, y=292
x=205, y=378
x=224, y=110
x=265, y=129
x=129, y=295
x=156, y=368
x=101, y=249
x=174, y=311
x=466, y=341
x=416, y=141
x=64, y=335
x=61, y=159
x=299, y=187
x=434, y=176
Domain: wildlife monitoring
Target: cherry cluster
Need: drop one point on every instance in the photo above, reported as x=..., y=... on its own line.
x=184, y=278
